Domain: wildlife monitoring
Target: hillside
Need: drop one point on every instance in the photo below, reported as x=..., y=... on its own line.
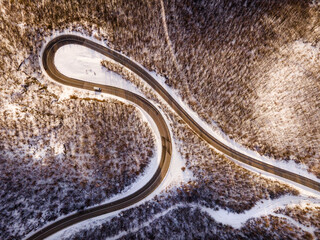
x=249, y=69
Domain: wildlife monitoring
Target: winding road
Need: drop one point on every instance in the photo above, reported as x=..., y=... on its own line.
x=48, y=64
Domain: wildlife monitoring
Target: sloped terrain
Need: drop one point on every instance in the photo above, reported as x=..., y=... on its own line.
x=60, y=156
x=251, y=67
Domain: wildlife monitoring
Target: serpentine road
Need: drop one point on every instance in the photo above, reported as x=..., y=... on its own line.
x=48, y=64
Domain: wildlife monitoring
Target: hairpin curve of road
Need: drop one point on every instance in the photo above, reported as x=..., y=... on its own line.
x=49, y=67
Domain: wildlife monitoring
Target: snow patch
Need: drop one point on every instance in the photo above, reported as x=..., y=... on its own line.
x=11, y=108
x=147, y=223
x=310, y=229
x=262, y=208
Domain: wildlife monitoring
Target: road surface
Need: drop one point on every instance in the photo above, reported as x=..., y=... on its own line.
x=48, y=64
x=149, y=187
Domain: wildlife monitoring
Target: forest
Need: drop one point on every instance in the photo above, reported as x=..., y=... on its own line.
x=249, y=68
x=61, y=155
x=192, y=223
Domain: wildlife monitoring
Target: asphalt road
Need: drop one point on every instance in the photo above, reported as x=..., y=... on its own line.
x=149, y=187
x=48, y=64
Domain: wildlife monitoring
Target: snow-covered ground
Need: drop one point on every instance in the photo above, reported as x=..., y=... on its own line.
x=262, y=208
x=83, y=63
x=235, y=220
x=222, y=137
